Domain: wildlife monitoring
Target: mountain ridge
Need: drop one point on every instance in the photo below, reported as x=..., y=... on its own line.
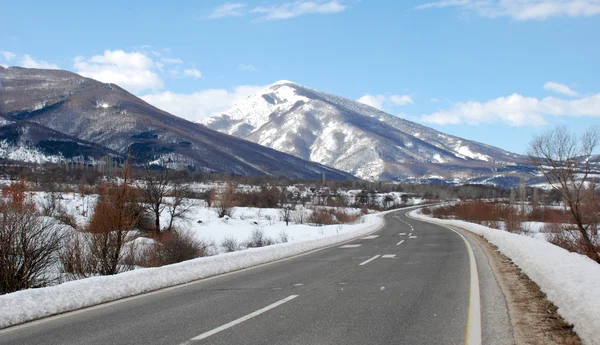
x=354, y=137
x=109, y=116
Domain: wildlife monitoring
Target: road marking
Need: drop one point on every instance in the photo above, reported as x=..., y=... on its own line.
x=402, y=234
x=399, y=243
x=388, y=256
x=240, y=320
x=296, y=285
x=351, y=246
x=371, y=259
x=370, y=237
x=412, y=236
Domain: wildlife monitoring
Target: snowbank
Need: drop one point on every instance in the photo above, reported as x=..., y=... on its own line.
x=33, y=304
x=571, y=281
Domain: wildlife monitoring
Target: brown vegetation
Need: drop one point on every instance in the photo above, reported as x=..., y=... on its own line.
x=28, y=242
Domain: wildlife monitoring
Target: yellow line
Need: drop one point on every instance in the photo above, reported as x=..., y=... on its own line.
x=473, y=335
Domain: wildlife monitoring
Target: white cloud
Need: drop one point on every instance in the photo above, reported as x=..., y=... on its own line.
x=373, y=101
x=434, y=100
x=28, y=62
x=380, y=101
x=8, y=56
x=170, y=60
x=401, y=99
x=516, y=110
x=228, y=10
x=560, y=88
x=522, y=9
x=192, y=72
x=200, y=104
x=134, y=71
x=297, y=8
x=247, y=67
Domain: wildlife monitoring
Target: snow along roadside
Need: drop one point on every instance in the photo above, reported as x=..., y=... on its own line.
x=32, y=304
x=571, y=281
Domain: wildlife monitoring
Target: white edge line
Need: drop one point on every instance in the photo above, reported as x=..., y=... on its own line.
x=371, y=259
x=242, y=319
x=474, y=316
x=399, y=243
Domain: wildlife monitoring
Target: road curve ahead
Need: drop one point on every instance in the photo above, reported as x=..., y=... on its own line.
x=408, y=283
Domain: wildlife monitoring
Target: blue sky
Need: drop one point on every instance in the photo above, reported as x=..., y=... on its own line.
x=494, y=71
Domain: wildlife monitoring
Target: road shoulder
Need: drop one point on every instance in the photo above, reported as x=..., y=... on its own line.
x=532, y=318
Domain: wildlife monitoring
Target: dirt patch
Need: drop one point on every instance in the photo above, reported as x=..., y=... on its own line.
x=534, y=319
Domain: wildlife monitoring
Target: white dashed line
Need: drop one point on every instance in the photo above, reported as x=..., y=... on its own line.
x=412, y=237
x=371, y=259
x=388, y=256
x=399, y=243
x=370, y=237
x=241, y=319
x=402, y=234
x=350, y=246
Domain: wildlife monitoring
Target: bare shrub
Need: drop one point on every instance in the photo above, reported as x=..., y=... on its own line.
x=283, y=237
x=512, y=221
x=286, y=214
x=224, y=201
x=173, y=247
x=321, y=217
x=258, y=239
x=230, y=244
x=28, y=242
x=569, y=237
x=299, y=216
x=66, y=218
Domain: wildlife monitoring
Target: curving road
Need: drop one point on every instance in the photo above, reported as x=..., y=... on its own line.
x=408, y=283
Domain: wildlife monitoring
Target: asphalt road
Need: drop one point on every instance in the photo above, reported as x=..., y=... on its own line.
x=408, y=283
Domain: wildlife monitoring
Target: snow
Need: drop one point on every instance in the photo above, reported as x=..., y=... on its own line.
x=25, y=154
x=27, y=305
x=436, y=157
x=571, y=281
x=466, y=151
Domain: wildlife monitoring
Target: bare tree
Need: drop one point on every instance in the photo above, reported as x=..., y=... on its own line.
x=565, y=159
x=286, y=214
x=28, y=242
x=178, y=206
x=156, y=188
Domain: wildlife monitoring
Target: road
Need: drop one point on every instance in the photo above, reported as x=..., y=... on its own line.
x=408, y=283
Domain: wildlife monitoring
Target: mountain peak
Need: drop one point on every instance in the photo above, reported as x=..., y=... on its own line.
x=352, y=136
x=282, y=82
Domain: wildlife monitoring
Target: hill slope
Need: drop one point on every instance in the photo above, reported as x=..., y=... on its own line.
x=355, y=137
x=107, y=115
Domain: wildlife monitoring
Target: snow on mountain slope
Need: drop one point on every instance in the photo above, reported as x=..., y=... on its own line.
x=108, y=116
x=353, y=137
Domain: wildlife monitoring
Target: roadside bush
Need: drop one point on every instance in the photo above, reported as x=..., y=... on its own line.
x=569, y=238
x=323, y=216
x=258, y=239
x=28, y=242
x=283, y=237
x=173, y=247
x=230, y=244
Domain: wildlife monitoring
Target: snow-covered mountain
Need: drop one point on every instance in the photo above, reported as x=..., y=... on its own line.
x=355, y=137
x=67, y=105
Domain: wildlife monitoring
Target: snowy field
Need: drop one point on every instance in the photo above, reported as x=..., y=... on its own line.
x=571, y=281
x=33, y=304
